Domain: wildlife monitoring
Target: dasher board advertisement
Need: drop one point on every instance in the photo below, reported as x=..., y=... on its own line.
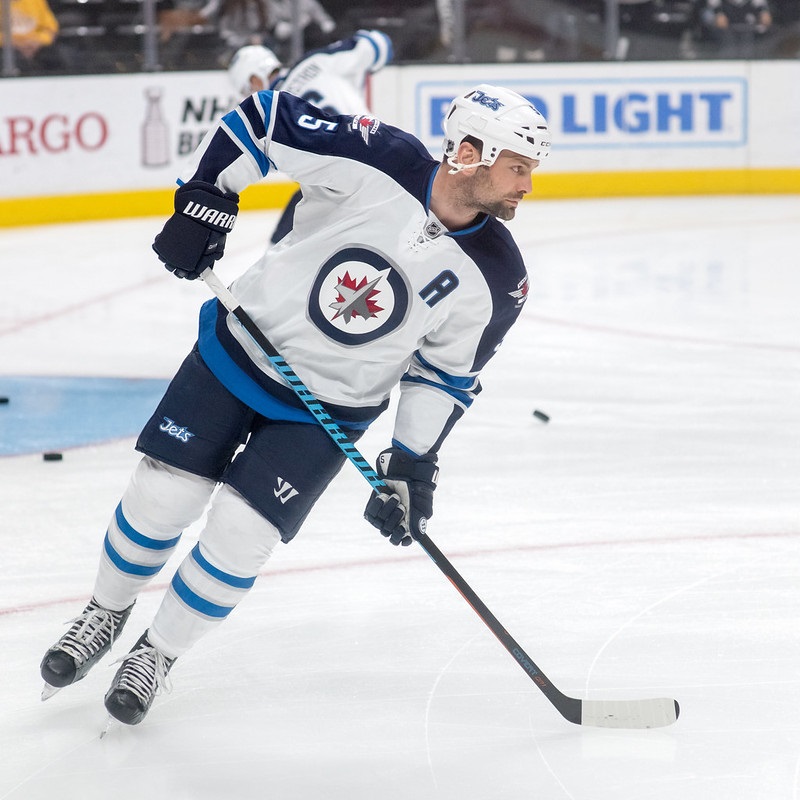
x=625, y=116
x=122, y=134
x=69, y=135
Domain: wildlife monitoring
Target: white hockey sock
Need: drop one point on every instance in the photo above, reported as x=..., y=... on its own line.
x=216, y=575
x=158, y=504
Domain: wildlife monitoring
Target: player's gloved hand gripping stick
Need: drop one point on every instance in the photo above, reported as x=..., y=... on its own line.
x=648, y=713
x=193, y=238
x=402, y=511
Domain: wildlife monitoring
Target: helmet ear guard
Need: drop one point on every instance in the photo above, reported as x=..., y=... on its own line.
x=501, y=120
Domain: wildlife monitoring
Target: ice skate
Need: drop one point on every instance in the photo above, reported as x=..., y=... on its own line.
x=141, y=676
x=88, y=639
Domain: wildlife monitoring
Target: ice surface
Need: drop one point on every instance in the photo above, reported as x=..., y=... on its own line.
x=643, y=543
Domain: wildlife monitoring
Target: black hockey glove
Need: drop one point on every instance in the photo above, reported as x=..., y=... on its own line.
x=194, y=236
x=402, y=514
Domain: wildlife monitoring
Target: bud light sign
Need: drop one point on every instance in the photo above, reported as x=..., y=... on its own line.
x=632, y=112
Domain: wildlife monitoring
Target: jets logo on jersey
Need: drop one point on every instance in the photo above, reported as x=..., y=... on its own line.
x=358, y=296
x=366, y=126
x=355, y=299
x=483, y=99
x=520, y=294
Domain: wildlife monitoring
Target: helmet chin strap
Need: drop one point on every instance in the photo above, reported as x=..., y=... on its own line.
x=457, y=166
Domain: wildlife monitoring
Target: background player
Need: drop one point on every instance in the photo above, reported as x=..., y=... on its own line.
x=334, y=78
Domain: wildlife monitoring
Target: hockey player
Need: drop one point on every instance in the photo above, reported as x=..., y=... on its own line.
x=397, y=271
x=333, y=78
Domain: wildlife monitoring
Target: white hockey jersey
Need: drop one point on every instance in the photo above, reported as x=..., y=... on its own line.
x=369, y=289
x=334, y=78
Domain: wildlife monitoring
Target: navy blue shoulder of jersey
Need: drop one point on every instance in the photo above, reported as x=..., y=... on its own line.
x=397, y=154
x=497, y=256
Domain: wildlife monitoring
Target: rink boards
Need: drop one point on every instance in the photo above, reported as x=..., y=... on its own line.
x=95, y=147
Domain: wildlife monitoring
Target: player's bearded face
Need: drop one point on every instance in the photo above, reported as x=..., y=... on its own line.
x=497, y=190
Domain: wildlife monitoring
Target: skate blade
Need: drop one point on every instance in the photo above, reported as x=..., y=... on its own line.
x=48, y=691
x=111, y=724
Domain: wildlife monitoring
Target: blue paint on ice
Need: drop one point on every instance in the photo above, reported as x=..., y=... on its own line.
x=55, y=413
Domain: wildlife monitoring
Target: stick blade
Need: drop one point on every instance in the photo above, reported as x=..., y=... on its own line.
x=635, y=714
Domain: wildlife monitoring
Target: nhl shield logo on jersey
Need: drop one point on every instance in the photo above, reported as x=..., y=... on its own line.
x=433, y=229
x=358, y=296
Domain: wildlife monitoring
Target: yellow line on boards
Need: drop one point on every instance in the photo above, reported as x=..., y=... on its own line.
x=19, y=211
x=665, y=183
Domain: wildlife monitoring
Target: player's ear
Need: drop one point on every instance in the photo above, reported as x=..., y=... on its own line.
x=468, y=153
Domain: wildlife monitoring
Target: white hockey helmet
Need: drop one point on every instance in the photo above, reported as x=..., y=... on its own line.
x=251, y=60
x=500, y=119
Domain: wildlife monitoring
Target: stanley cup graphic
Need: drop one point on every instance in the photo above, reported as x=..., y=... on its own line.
x=155, y=136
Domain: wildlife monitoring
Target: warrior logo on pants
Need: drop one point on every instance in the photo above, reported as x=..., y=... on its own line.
x=284, y=491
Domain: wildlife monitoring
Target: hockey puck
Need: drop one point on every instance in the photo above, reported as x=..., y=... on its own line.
x=3, y=401
x=541, y=415
x=52, y=456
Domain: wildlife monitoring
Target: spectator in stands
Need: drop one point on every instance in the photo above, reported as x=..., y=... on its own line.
x=242, y=23
x=736, y=24
x=237, y=22
x=33, y=35
x=445, y=12
x=309, y=12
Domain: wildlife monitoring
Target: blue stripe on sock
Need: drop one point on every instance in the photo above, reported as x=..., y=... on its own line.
x=197, y=603
x=128, y=566
x=139, y=538
x=223, y=577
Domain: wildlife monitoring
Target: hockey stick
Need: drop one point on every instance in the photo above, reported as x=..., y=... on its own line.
x=650, y=713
